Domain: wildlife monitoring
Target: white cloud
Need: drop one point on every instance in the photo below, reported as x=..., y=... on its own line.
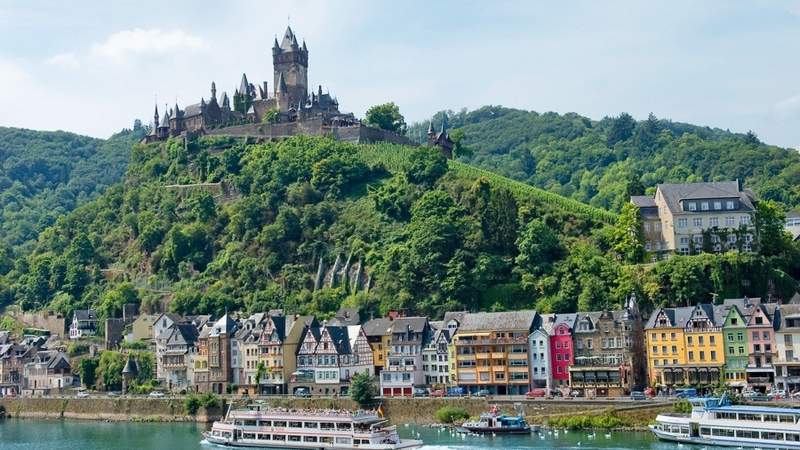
x=65, y=60
x=788, y=104
x=121, y=45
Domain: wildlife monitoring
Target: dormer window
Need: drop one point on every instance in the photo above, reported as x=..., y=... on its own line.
x=717, y=206
x=692, y=206
x=729, y=204
x=704, y=206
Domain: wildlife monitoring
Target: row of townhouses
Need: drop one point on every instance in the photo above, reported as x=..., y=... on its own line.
x=601, y=353
x=742, y=342
x=33, y=365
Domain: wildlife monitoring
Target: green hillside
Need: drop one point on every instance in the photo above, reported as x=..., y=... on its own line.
x=44, y=175
x=602, y=162
x=311, y=224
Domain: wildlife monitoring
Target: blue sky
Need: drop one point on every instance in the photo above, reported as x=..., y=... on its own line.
x=93, y=66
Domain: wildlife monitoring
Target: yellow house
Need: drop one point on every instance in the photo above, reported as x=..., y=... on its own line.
x=684, y=346
x=379, y=335
x=142, y=327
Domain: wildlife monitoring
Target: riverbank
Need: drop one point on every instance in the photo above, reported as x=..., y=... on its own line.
x=418, y=411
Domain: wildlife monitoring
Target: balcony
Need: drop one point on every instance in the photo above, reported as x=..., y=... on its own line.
x=498, y=355
x=482, y=355
x=498, y=368
x=495, y=341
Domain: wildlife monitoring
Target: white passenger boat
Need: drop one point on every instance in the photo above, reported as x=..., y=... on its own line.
x=259, y=426
x=715, y=421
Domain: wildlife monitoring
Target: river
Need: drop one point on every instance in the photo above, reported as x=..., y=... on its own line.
x=29, y=434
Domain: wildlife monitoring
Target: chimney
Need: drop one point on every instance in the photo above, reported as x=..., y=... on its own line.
x=266, y=92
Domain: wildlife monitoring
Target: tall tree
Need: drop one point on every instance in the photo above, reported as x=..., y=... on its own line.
x=387, y=117
x=621, y=129
x=628, y=235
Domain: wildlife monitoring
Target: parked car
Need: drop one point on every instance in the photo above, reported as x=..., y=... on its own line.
x=438, y=393
x=638, y=395
x=82, y=394
x=455, y=391
x=302, y=392
x=113, y=394
x=650, y=392
x=482, y=393
x=777, y=395
x=156, y=394
x=754, y=396
x=420, y=392
x=536, y=393
x=575, y=394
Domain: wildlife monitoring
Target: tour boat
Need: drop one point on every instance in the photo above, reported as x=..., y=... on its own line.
x=715, y=421
x=494, y=422
x=259, y=426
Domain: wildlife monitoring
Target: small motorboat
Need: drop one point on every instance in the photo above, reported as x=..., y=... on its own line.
x=495, y=423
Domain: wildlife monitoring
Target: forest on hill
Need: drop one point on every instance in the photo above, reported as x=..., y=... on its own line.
x=602, y=162
x=311, y=224
x=44, y=175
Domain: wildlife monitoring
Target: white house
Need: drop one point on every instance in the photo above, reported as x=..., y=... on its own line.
x=84, y=323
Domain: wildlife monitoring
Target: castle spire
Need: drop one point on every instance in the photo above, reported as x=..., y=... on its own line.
x=305, y=49
x=226, y=103
x=155, y=116
x=213, y=90
x=244, y=88
x=430, y=127
x=289, y=42
x=444, y=125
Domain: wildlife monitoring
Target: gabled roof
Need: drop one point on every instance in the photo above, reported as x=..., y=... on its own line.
x=225, y=325
x=498, y=321
x=187, y=331
x=131, y=368
x=643, y=201
x=340, y=338
x=409, y=324
x=85, y=314
x=378, y=327
x=674, y=193
x=289, y=40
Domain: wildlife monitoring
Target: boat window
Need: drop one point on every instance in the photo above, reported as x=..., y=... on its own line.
x=726, y=415
x=327, y=425
x=295, y=424
x=248, y=435
x=278, y=437
x=293, y=438
x=311, y=425
x=745, y=416
x=264, y=437
x=250, y=423
x=770, y=418
x=684, y=430
x=326, y=440
x=343, y=426
x=771, y=435
x=705, y=431
x=727, y=432
x=265, y=423
x=343, y=440
x=309, y=439
x=747, y=434
x=279, y=424
x=793, y=437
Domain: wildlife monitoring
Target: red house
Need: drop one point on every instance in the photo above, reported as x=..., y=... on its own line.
x=561, y=350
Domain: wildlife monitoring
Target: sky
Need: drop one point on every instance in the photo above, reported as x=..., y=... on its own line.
x=93, y=66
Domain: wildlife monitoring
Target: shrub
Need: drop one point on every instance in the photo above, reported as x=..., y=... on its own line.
x=363, y=389
x=450, y=414
x=682, y=406
x=191, y=404
x=209, y=400
x=607, y=420
x=76, y=349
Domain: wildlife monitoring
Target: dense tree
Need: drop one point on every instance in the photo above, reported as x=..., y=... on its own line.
x=621, y=129
x=539, y=247
x=387, y=117
x=628, y=235
x=363, y=389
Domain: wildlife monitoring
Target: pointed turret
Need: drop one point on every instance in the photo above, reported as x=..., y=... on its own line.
x=226, y=103
x=244, y=87
x=430, y=128
x=213, y=90
x=165, y=120
x=289, y=41
x=260, y=92
x=202, y=103
x=155, y=116
x=177, y=110
x=281, y=84
x=305, y=49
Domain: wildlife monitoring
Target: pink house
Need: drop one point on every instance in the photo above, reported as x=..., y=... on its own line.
x=761, y=337
x=561, y=350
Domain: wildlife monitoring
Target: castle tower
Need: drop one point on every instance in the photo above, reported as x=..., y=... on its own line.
x=290, y=61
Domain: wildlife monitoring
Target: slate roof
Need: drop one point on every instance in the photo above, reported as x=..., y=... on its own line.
x=340, y=338
x=643, y=201
x=378, y=327
x=546, y=322
x=674, y=193
x=348, y=316
x=85, y=315
x=289, y=39
x=131, y=367
x=192, y=110
x=52, y=359
x=568, y=319
x=411, y=324
x=187, y=331
x=498, y=321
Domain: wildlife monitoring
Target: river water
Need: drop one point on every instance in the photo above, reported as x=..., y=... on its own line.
x=28, y=434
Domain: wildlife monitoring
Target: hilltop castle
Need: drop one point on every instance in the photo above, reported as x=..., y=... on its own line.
x=290, y=108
